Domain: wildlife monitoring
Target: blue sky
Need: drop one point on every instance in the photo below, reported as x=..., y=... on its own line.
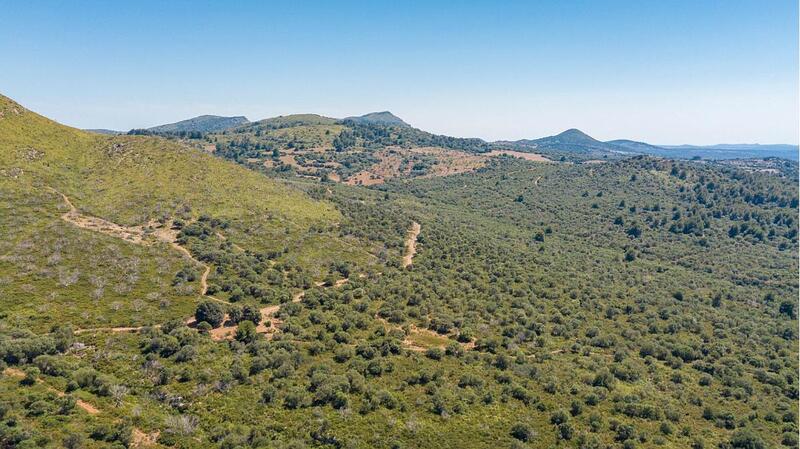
x=661, y=71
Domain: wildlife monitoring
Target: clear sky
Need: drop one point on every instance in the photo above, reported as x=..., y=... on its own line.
x=666, y=72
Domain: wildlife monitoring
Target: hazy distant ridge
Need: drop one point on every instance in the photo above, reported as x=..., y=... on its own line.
x=203, y=123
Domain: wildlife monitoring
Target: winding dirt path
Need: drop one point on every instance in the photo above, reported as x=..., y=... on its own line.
x=235, y=246
x=267, y=316
x=85, y=406
x=411, y=243
x=136, y=234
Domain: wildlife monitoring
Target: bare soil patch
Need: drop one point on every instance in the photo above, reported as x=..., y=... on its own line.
x=519, y=154
x=141, y=439
x=395, y=162
x=450, y=162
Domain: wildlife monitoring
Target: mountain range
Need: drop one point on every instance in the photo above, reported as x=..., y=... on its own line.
x=572, y=140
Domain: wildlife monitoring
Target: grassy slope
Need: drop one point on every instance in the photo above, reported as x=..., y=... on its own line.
x=129, y=179
x=90, y=279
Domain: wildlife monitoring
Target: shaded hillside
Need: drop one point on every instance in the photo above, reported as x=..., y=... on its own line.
x=575, y=144
x=202, y=124
x=572, y=144
x=570, y=140
x=636, y=147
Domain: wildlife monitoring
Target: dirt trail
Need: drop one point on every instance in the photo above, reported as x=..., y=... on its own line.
x=87, y=407
x=411, y=243
x=235, y=246
x=136, y=234
x=267, y=316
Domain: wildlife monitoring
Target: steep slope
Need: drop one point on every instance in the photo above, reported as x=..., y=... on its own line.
x=137, y=185
x=132, y=179
x=203, y=124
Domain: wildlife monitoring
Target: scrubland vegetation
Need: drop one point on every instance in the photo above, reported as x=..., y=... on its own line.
x=636, y=303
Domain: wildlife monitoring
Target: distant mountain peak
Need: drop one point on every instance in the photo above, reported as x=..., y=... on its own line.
x=572, y=139
x=381, y=118
x=575, y=135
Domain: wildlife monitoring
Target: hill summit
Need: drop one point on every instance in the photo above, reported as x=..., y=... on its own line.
x=574, y=135
x=380, y=118
x=569, y=140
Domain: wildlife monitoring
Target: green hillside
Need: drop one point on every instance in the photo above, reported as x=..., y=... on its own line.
x=637, y=303
x=142, y=183
x=320, y=147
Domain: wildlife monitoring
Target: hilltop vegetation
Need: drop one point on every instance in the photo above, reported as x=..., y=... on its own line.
x=379, y=118
x=636, y=303
x=201, y=124
x=372, y=147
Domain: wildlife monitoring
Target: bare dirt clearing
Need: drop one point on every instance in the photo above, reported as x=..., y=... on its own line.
x=519, y=154
x=418, y=339
x=141, y=439
x=390, y=166
x=424, y=162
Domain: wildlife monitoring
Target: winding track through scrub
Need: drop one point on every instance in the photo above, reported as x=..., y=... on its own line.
x=267, y=315
x=135, y=234
x=140, y=438
x=411, y=243
x=87, y=407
